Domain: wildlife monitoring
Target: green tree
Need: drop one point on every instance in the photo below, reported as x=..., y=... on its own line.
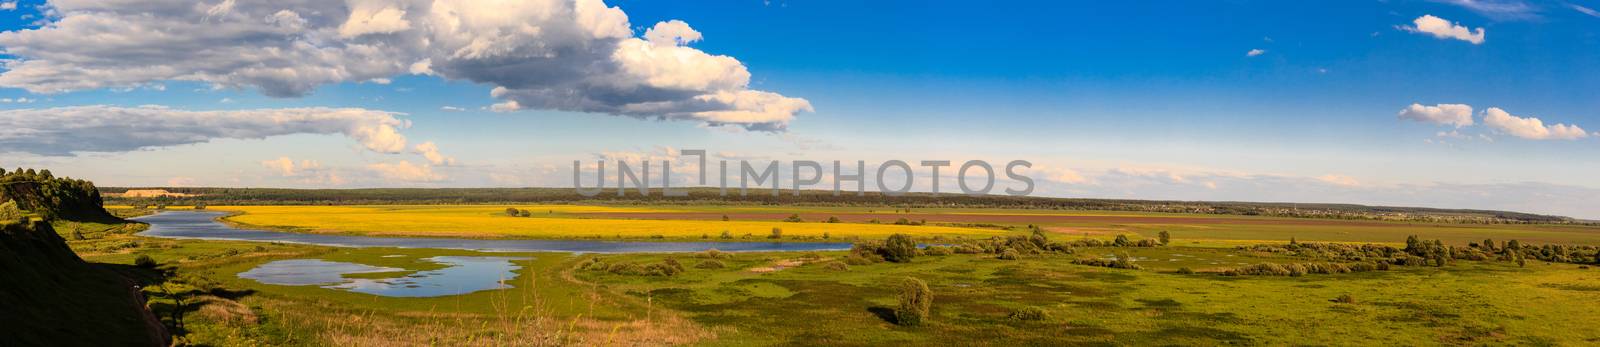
x=832, y=219
x=899, y=248
x=1121, y=241
x=510, y=211
x=1165, y=237
x=9, y=212
x=777, y=233
x=726, y=234
x=915, y=301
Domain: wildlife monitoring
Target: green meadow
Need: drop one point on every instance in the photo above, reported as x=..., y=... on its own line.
x=1176, y=297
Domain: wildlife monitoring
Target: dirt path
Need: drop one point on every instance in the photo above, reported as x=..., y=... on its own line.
x=153, y=327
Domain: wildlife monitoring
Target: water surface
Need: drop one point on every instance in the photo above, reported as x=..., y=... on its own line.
x=462, y=275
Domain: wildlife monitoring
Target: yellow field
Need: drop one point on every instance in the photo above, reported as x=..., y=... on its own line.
x=548, y=221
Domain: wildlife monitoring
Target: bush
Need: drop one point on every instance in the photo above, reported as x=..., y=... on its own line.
x=1009, y=254
x=9, y=212
x=832, y=219
x=714, y=254
x=860, y=259
x=1185, y=271
x=899, y=248
x=726, y=234
x=1122, y=241
x=1029, y=314
x=1120, y=263
x=794, y=218
x=915, y=300
x=836, y=266
x=938, y=251
x=144, y=261
x=710, y=264
x=1165, y=237
x=777, y=233
x=1345, y=299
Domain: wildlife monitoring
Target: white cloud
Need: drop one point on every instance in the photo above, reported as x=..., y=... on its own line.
x=8, y=5
x=180, y=181
x=1339, y=180
x=1449, y=114
x=671, y=33
x=546, y=55
x=451, y=109
x=62, y=131
x=430, y=151
x=304, y=171
x=1584, y=10
x=288, y=167
x=1530, y=127
x=1255, y=52
x=1498, y=9
x=1443, y=29
x=1063, y=175
x=16, y=100
x=405, y=171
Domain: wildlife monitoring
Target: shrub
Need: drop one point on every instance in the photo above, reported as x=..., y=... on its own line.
x=777, y=233
x=144, y=261
x=1009, y=254
x=825, y=235
x=1185, y=271
x=794, y=218
x=9, y=212
x=860, y=259
x=710, y=264
x=899, y=248
x=915, y=300
x=1345, y=299
x=1122, y=241
x=524, y=213
x=832, y=219
x=726, y=234
x=836, y=266
x=902, y=221
x=713, y=254
x=1263, y=269
x=511, y=212
x=938, y=251
x=1029, y=314
x=1165, y=237
x=724, y=218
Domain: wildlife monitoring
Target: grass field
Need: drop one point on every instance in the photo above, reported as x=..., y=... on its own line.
x=762, y=299
x=1469, y=303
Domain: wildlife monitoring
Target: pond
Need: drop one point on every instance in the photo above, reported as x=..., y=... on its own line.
x=461, y=275
x=203, y=225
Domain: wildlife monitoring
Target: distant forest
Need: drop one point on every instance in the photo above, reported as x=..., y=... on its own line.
x=710, y=196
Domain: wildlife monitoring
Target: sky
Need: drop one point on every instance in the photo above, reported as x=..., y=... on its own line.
x=1453, y=104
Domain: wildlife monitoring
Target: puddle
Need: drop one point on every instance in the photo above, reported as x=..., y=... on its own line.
x=461, y=276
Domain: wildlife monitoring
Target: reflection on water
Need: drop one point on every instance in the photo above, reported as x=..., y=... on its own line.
x=463, y=275
x=201, y=225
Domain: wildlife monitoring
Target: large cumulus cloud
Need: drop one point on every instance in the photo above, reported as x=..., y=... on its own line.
x=66, y=130
x=538, y=54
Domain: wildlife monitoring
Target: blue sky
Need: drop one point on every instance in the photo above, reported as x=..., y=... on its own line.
x=1235, y=100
